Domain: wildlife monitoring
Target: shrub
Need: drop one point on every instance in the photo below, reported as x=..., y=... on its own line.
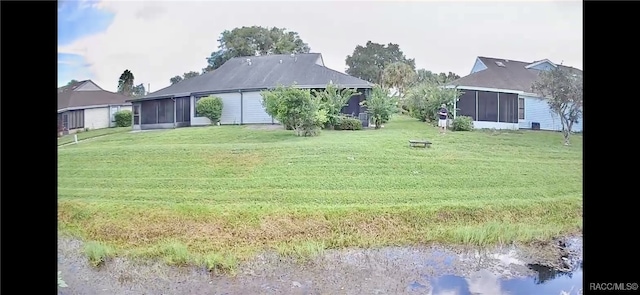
x=333, y=99
x=424, y=101
x=295, y=108
x=210, y=107
x=347, y=123
x=123, y=118
x=463, y=123
x=380, y=106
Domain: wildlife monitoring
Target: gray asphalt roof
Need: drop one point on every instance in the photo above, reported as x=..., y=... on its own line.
x=69, y=98
x=513, y=76
x=262, y=72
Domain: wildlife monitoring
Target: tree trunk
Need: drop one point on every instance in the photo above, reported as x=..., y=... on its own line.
x=566, y=130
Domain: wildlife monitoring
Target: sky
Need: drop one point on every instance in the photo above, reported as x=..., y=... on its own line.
x=157, y=40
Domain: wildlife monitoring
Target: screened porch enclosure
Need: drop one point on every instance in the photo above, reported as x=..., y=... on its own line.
x=485, y=106
x=157, y=111
x=162, y=113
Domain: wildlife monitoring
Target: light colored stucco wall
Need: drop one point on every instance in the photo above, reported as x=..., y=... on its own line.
x=252, y=110
x=494, y=125
x=230, y=110
x=236, y=109
x=537, y=110
x=96, y=118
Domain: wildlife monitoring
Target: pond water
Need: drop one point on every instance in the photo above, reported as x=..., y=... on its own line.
x=395, y=270
x=484, y=282
x=545, y=281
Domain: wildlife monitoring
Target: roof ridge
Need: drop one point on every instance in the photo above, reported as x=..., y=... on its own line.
x=274, y=55
x=501, y=58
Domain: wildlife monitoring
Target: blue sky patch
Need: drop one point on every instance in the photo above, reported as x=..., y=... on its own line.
x=77, y=19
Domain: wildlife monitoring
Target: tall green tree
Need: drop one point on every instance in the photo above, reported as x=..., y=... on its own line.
x=398, y=75
x=426, y=76
x=185, y=76
x=562, y=90
x=125, y=83
x=74, y=81
x=255, y=40
x=138, y=90
x=175, y=79
x=368, y=62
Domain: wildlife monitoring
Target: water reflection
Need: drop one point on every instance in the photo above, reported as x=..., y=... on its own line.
x=484, y=282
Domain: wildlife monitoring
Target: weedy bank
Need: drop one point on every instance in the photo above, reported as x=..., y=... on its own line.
x=217, y=195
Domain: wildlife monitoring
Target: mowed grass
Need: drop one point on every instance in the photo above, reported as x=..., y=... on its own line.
x=216, y=195
x=69, y=138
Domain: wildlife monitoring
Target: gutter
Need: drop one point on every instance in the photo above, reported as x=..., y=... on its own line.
x=92, y=107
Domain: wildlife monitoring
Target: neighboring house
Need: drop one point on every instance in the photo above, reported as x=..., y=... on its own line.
x=238, y=83
x=497, y=94
x=84, y=105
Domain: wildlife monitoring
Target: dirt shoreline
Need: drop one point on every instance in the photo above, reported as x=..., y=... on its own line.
x=391, y=270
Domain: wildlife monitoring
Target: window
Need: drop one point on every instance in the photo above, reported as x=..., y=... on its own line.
x=114, y=110
x=73, y=119
x=136, y=114
x=520, y=108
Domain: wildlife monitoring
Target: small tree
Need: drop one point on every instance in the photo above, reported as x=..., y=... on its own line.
x=563, y=92
x=210, y=107
x=333, y=99
x=424, y=100
x=380, y=105
x=398, y=75
x=296, y=108
x=123, y=118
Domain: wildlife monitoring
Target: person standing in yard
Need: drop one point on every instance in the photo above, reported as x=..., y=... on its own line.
x=443, y=115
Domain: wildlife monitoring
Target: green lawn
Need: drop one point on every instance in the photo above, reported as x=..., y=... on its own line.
x=92, y=133
x=214, y=194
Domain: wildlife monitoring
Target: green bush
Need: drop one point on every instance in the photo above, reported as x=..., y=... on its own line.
x=123, y=118
x=380, y=106
x=462, y=123
x=347, y=123
x=210, y=107
x=333, y=99
x=424, y=100
x=296, y=108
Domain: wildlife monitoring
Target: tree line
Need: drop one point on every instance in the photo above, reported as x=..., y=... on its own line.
x=417, y=92
x=367, y=62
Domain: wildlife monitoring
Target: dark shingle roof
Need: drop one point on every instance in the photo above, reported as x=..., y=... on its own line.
x=263, y=72
x=513, y=76
x=68, y=97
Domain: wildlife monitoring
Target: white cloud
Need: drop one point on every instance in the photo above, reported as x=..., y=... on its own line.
x=484, y=282
x=159, y=39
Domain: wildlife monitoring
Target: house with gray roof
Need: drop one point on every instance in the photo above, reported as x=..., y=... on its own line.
x=238, y=82
x=497, y=94
x=84, y=105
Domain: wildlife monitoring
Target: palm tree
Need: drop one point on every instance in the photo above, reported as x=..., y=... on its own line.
x=125, y=83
